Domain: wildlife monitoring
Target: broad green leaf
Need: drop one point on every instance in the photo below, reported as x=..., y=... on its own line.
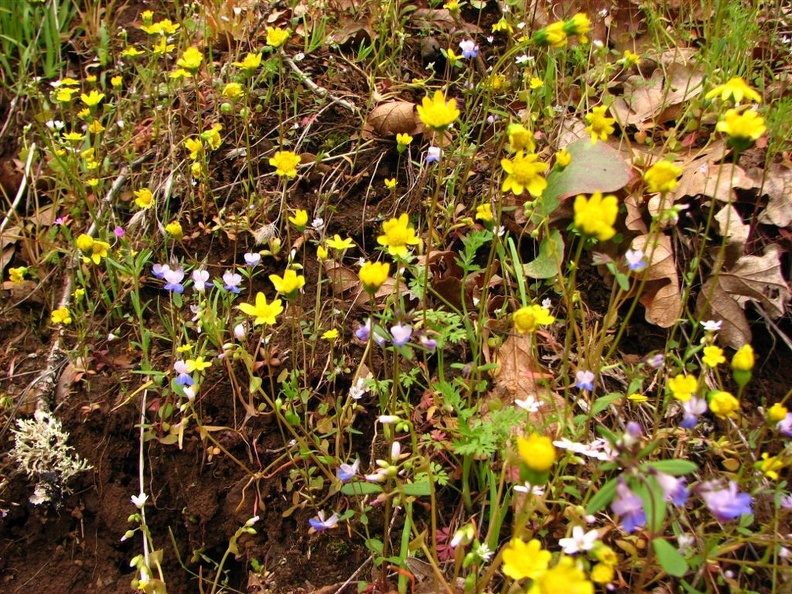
x=604, y=402
x=551, y=254
x=672, y=562
x=419, y=489
x=674, y=467
x=361, y=488
x=603, y=497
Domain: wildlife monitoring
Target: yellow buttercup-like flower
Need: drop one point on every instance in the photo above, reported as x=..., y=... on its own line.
x=391, y=183
x=144, y=198
x=300, y=219
x=191, y=59
x=566, y=577
x=743, y=128
x=537, y=452
x=263, y=312
x=552, y=35
x=195, y=146
x=17, y=275
x=437, y=113
x=93, y=98
x=524, y=172
x=596, y=216
x=250, y=63
x=777, y=412
x=662, y=177
x=285, y=163
x=599, y=126
x=61, y=316
x=340, y=244
x=276, y=36
x=529, y=318
x=735, y=88
x=174, y=229
x=579, y=25
x=403, y=141
x=373, y=275
x=724, y=404
x=289, y=284
x=84, y=242
x=397, y=235
x=770, y=465
x=98, y=252
x=683, y=386
x=233, y=91
x=484, y=212
x=525, y=560
x=520, y=138
x=743, y=359
x=629, y=59
x=212, y=136
x=562, y=158
x=713, y=356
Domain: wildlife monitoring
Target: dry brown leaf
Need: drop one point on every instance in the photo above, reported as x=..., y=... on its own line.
x=778, y=186
x=713, y=303
x=643, y=99
x=392, y=118
x=661, y=296
x=441, y=19
x=634, y=219
x=731, y=226
x=713, y=180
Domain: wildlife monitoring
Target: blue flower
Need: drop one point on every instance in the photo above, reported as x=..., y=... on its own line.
x=401, y=334
x=173, y=279
x=674, y=489
x=726, y=504
x=433, y=154
x=629, y=506
x=585, y=380
x=184, y=378
x=693, y=408
x=347, y=472
x=469, y=48
x=635, y=260
x=319, y=523
x=251, y=259
x=231, y=282
x=159, y=270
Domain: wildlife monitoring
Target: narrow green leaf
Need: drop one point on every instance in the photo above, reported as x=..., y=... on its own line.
x=674, y=467
x=551, y=254
x=604, y=402
x=419, y=489
x=603, y=497
x=672, y=562
x=361, y=488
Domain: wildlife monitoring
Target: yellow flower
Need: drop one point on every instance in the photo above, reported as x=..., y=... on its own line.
x=525, y=560
x=537, y=452
x=92, y=182
x=233, y=91
x=276, y=36
x=452, y=57
x=162, y=47
x=174, y=228
x=84, y=242
x=289, y=284
x=713, y=356
x=196, y=169
x=321, y=253
x=197, y=364
x=263, y=312
x=373, y=275
x=599, y=126
x=250, y=62
x=743, y=359
x=735, y=87
x=629, y=59
x=96, y=127
x=397, y=235
x=602, y=574
x=596, y=215
x=64, y=94
x=565, y=578
x=212, y=136
x=147, y=16
x=536, y=83
x=604, y=554
x=285, y=163
x=403, y=141
x=191, y=59
x=73, y=136
x=683, y=386
x=552, y=35
x=524, y=172
x=484, y=212
x=503, y=25
x=331, y=335
x=496, y=82
x=195, y=146
x=340, y=244
x=117, y=82
x=579, y=24
x=563, y=158
x=452, y=6
x=390, y=183
x=180, y=73
x=93, y=98
x=84, y=113
x=300, y=219
x=185, y=348
x=78, y=295
x=743, y=128
x=98, y=251
x=17, y=275
x=662, y=177
x=144, y=198
x=437, y=113
x=131, y=52
x=520, y=138
x=723, y=404
x=636, y=397
x=770, y=466
x=61, y=316
x=776, y=412
x=529, y=318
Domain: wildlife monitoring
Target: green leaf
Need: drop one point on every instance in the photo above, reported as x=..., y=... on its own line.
x=551, y=254
x=419, y=489
x=604, y=402
x=654, y=503
x=672, y=562
x=603, y=497
x=674, y=467
x=361, y=488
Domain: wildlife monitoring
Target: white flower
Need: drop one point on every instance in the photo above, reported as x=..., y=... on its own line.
x=388, y=419
x=531, y=404
x=239, y=331
x=712, y=325
x=528, y=488
x=523, y=59
x=139, y=500
x=579, y=541
x=317, y=224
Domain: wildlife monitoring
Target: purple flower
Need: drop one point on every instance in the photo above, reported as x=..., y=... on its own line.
x=251, y=259
x=725, y=504
x=173, y=279
x=786, y=502
x=674, y=489
x=629, y=506
x=693, y=408
x=635, y=260
x=319, y=523
x=159, y=270
x=184, y=378
x=119, y=232
x=232, y=280
x=401, y=334
x=201, y=280
x=346, y=472
x=433, y=154
x=430, y=344
x=364, y=332
x=469, y=48
x=784, y=426
x=656, y=361
x=585, y=380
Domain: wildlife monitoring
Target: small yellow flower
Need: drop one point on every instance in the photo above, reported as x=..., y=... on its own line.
x=629, y=59
x=397, y=235
x=604, y=554
x=147, y=16
x=185, y=348
x=84, y=113
x=285, y=163
x=536, y=83
x=599, y=126
x=373, y=275
x=602, y=574
x=579, y=25
x=17, y=275
x=117, y=82
x=662, y=177
x=596, y=216
x=197, y=364
x=92, y=182
x=61, y=316
x=300, y=219
x=233, y=91
x=162, y=47
x=776, y=413
x=340, y=244
x=770, y=465
x=250, y=63
x=524, y=172
x=520, y=138
x=452, y=6
x=321, y=253
x=636, y=397
x=503, y=25
x=191, y=59
x=289, y=284
x=484, y=213
x=144, y=198
x=195, y=146
x=563, y=158
x=537, y=452
x=73, y=136
x=212, y=136
x=84, y=243
x=196, y=169
x=742, y=128
x=452, y=57
x=131, y=52
x=525, y=560
x=566, y=577
x=436, y=113
x=713, y=356
x=683, y=386
x=390, y=183
x=529, y=318
x=552, y=35
x=93, y=98
x=737, y=88
x=263, y=312
x=78, y=295
x=276, y=36
x=496, y=82
x=96, y=127
x=723, y=404
x=403, y=141
x=180, y=73
x=743, y=359
x=331, y=335
x=64, y=94
x=175, y=230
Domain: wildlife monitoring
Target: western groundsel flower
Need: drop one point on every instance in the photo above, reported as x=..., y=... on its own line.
x=743, y=359
x=391, y=183
x=565, y=577
x=285, y=163
x=195, y=147
x=277, y=36
x=725, y=503
x=584, y=380
x=263, y=312
x=537, y=452
x=735, y=88
x=436, y=113
x=197, y=364
x=524, y=172
x=61, y=315
x=93, y=98
x=397, y=235
x=596, y=216
x=629, y=507
x=683, y=386
x=629, y=59
x=529, y=318
x=525, y=560
x=599, y=125
x=373, y=275
x=723, y=404
x=233, y=91
x=662, y=177
x=289, y=284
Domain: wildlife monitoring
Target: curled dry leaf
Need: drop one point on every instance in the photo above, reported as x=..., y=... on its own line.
x=661, y=295
x=777, y=185
x=392, y=118
x=713, y=180
x=731, y=227
x=346, y=285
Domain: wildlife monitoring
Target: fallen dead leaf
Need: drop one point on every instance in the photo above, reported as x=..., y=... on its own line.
x=732, y=228
x=778, y=186
x=713, y=180
x=661, y=296
x=392, y=118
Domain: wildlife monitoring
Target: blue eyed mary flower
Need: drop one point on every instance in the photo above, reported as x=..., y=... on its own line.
x=173, y=280
x=629, y=506
x=635, y=260
x=319, y=523
x=725, y=503
x=693, y=408
x=253, y=258
x=433, y=154
x=674, y=489
x=347, y=472
x=364, y=332
x=200, y=280
x=184, y=378
x=401, y=334
x=159, y=270
x=784, y=426
x=584, y=380
x=427, y=342
x=231, y=282
x=469, y=48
